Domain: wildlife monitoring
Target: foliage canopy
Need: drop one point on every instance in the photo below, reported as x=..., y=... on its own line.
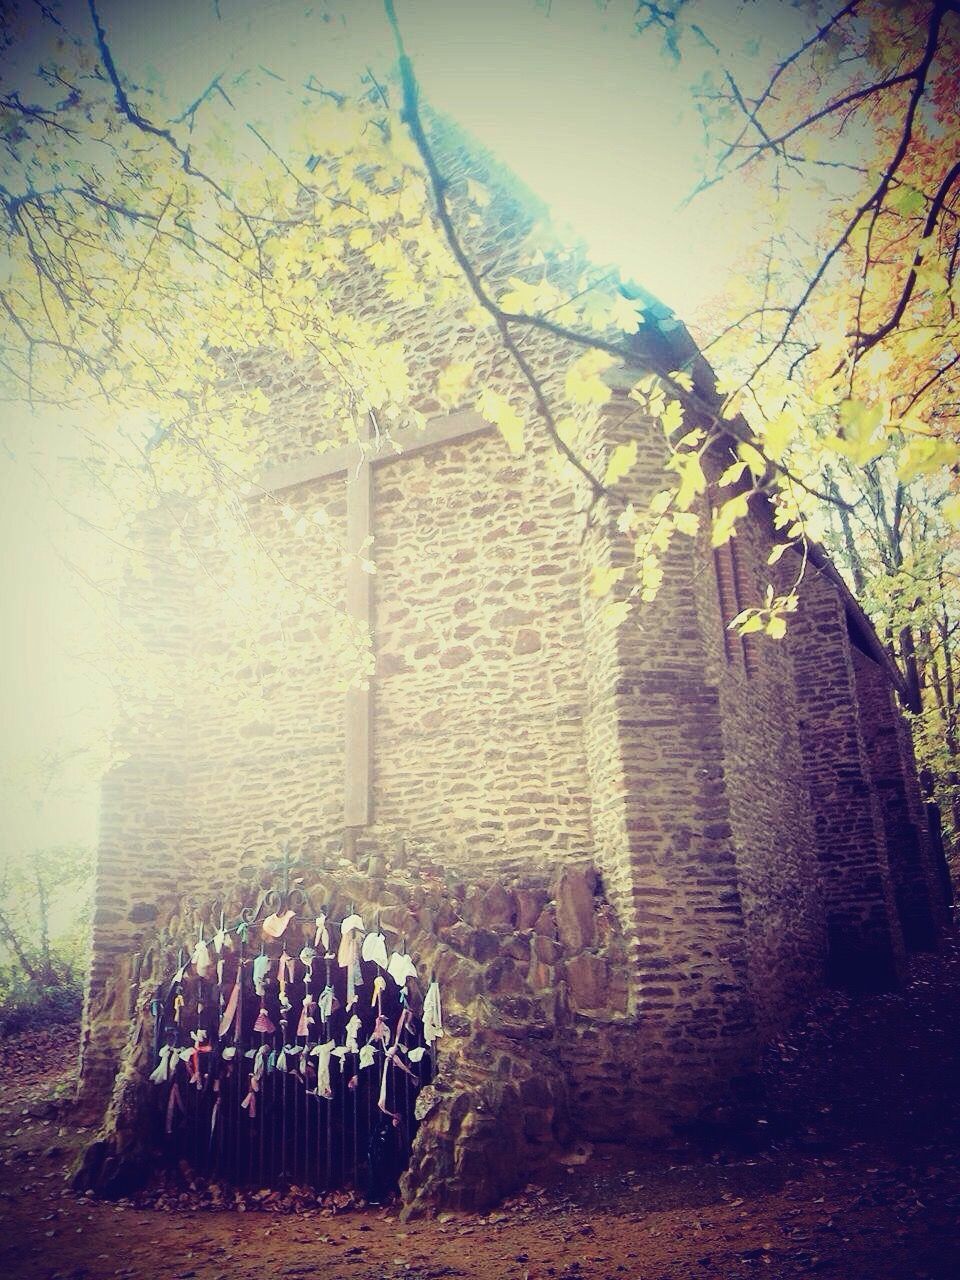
x=148, y=256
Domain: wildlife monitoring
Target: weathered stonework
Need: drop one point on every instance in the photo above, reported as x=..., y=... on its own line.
x=865, y=938
x=770, y=812
x=519, y=989
x=631, y=853
x=917, y=890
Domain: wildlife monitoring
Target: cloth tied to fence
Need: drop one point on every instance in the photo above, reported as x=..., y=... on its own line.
x=348, y=956
x=230, y=1012
x=323, y=1053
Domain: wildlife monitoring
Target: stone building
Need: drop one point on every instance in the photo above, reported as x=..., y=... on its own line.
x=631, y=854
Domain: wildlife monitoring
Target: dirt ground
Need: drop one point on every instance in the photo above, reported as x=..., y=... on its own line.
x=852, y=1173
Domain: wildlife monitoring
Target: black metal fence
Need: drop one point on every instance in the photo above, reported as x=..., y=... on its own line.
x=278, y=1070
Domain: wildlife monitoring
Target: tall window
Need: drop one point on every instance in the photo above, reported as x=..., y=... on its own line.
x=746, y=595
x=729, y=598
x=735, y=591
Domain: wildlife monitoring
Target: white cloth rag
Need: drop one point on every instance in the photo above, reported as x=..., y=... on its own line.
x=432, y=1014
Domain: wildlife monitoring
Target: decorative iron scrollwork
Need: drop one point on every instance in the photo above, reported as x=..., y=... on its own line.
x=285, y=897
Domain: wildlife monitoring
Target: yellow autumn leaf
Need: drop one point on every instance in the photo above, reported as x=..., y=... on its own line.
x=643, y=387
x=583, y=384
x=615, y=612
x=725, y=519
x=625, y=314
x=659, y=535
x=498, y=410
x=914, y=340
x=452, y=382
x=594, y=310
x=731, y=406
x=859, y=425
x=687, y=522
x=524, y=298
x=747, y=622
x=603, y=579
x=627, y=518
x=651, y=576
x=732, y=474
x=923, y=455
x=693, y=481
x=778, y=432
x=672, y=417
x=753, y=458
x=623, y=457
x=478, y=316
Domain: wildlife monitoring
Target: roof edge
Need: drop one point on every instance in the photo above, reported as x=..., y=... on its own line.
x=688, y=355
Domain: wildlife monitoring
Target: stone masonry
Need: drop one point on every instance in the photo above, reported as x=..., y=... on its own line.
x=749, y=813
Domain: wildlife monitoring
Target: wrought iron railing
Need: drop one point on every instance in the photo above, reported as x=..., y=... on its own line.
x=290, y=1050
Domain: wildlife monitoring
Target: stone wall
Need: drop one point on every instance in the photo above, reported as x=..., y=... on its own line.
x=917, y=889
x=479, y=691
x=478, y=698
x=524, y=972
x=516, y=732
x=661, y=815
x=269, y=773
x=865, y=940
x=770, y=818
x=144, y=818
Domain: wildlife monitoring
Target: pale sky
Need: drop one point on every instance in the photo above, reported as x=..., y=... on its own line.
x=594, y=118
x=596, y=121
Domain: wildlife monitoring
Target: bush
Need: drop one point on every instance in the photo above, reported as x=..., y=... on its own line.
x=44, y=937
x=29, y=1007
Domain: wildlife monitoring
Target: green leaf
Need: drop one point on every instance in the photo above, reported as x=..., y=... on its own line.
x=907, y=202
